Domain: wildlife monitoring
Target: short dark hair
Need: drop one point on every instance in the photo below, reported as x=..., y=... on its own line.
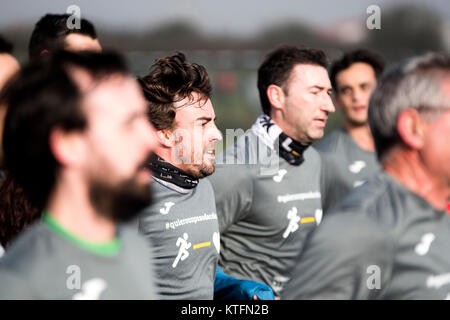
x=41, y=97
x=278, y=64
x=349, y=58
x=51, y=30
x=169, y=80
x=5, y=45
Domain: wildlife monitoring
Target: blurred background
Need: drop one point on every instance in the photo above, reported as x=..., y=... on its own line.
x=230, y=38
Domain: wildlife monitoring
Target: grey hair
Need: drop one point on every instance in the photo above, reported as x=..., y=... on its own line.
x=417, y=84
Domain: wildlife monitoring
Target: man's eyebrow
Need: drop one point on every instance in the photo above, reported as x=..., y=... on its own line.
x=318, y=87
x=205, y=118
x=343, y=87
x=134, y=115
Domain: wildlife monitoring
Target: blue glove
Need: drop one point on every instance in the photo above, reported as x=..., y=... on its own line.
x=229, y=288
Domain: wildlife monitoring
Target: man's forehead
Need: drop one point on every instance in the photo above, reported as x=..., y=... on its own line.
x=88, y=83
x=194, y=100
x=81, y=42
x=116, y=95
x=8, y=66
x=302, y=68
x=195, y=107
x=309, y=74
x=358, y=71
x=7, y=59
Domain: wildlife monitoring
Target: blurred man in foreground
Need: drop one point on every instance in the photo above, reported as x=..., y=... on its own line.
x=389, y=238
x=50, y=33
x=77, y=139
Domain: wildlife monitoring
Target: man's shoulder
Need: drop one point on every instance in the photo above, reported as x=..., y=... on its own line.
x=162, y=191
x=13, y=286
x=312, y=154
x=331, y=142
x=338, y=252
x=129, y=234
x=363, y=220
x=204, y=185
x=242, y=151
x=34, y=244
x=238, y=161
x=231, y=178
x=134, y=242
x=378, y=201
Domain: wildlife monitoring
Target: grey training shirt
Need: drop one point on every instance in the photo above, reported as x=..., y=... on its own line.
x=382, y=242
x=266, y=209
x=45, y=263
x=344, y=166
x=183, y=230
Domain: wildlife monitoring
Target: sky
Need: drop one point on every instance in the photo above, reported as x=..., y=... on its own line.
x=233, y=17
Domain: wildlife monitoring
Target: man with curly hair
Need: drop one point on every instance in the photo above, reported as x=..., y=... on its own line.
x=182, y=224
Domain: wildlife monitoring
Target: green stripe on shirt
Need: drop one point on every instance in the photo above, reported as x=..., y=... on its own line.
x=110, y=248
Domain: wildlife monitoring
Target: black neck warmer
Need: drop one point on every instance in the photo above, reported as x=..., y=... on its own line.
x=169, y=173
x=291, y=150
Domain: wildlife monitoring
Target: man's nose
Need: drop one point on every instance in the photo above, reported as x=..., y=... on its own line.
x=216, y=135
x=357, y=95
x=328, y=105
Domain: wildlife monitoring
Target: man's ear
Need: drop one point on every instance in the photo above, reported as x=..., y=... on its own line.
x=276, y=96
x=411, y=128
x=44, y=52
x=68, y=148
x=166, y=138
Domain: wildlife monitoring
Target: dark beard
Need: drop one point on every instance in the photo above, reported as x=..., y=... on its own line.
x=202, y=171
x=122, y=202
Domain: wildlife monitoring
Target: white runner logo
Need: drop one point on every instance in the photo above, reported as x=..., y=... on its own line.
x=183, y=253
x=294, y=219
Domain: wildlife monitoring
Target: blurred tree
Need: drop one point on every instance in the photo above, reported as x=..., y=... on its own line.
x=173, y=36
x=290, y=32
x=407, y=31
